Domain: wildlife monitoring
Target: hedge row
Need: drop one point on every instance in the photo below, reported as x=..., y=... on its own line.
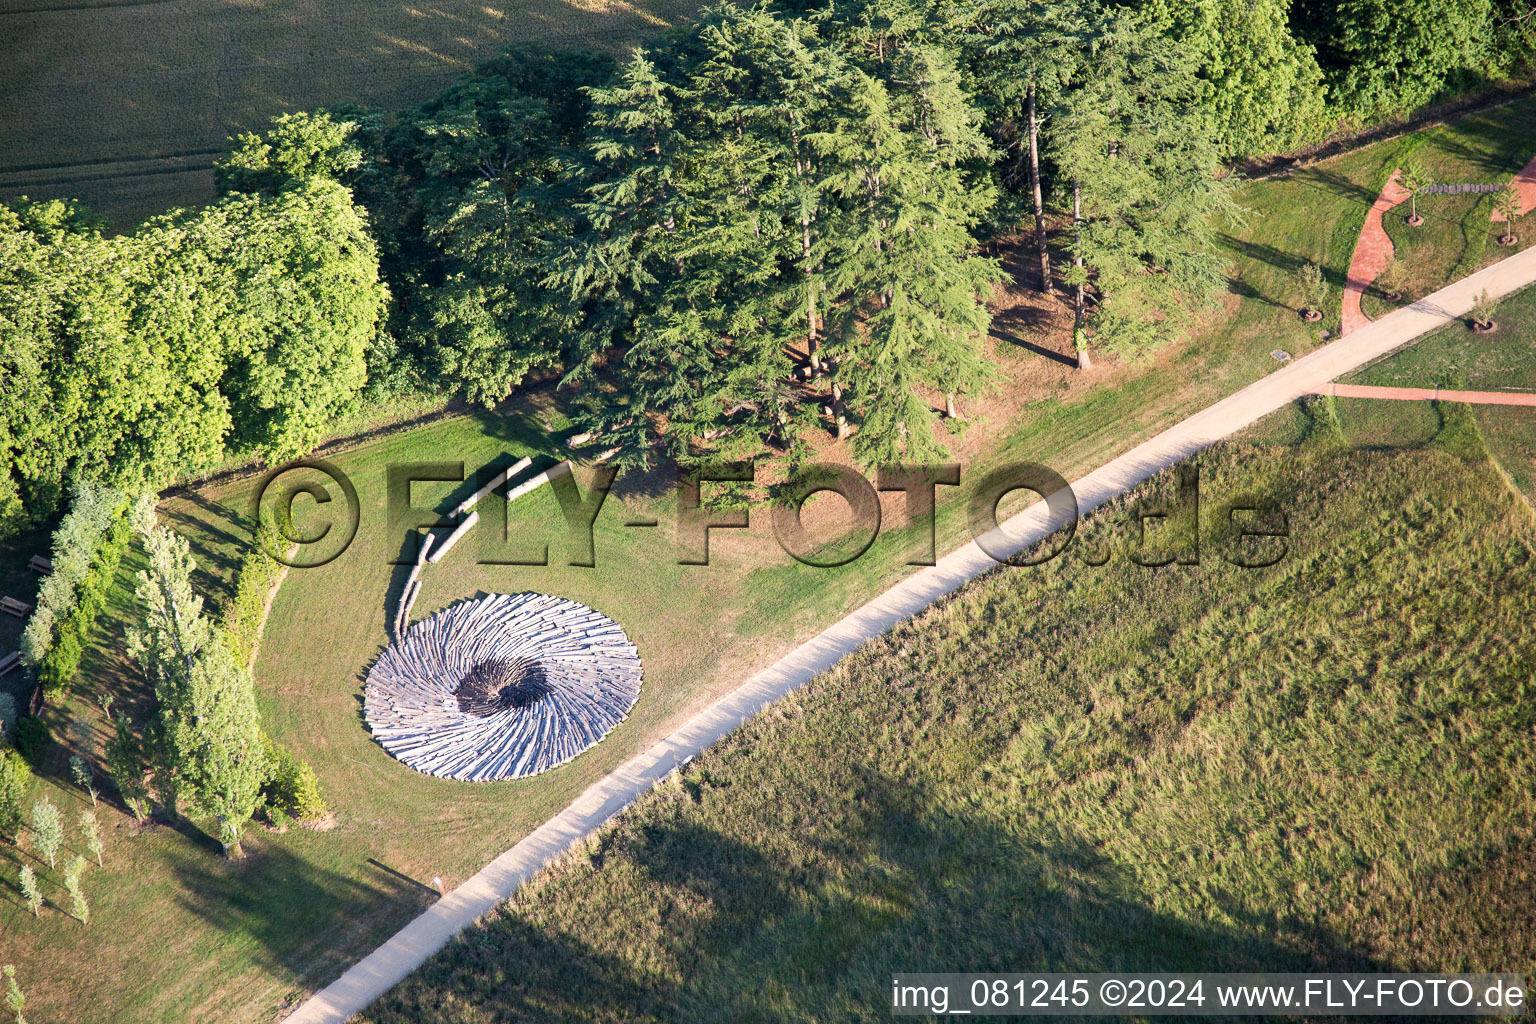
x=259, y=573
x=57, y=670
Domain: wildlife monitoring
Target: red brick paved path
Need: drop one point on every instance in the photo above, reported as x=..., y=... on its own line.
x=1372, y=254
x=1525, y=181
x=1429, y=394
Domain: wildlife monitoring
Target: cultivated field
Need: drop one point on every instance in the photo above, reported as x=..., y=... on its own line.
x=1322, y=765
x=126, y=103
x=237, y=940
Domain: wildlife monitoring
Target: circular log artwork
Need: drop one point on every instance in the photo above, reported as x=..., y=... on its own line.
x=501, y=687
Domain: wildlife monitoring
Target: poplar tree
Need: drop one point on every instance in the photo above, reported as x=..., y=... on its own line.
x=90, y=828
x=47, y=828
x=30, y=890
x=15, y=780
x=208, y=738
x=126, y=763
x=84, y=775
x=72, y=885
x=14, y=1000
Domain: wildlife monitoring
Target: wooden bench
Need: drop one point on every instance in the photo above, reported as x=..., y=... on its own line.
x=9, y=662
x=15, y=607
x=41, y=564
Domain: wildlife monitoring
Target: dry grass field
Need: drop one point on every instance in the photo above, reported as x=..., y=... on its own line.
x=125, y=103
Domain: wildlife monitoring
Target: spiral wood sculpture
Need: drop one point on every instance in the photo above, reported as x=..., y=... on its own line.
x=501, y=687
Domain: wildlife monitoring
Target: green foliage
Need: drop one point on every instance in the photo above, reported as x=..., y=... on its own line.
x=259, y=572
x=72, y=873
x=1136, y=147
x=14, y=1000
x=1384, y=57
x=15, y=781
x=30, y=890
x=47, y=828
x=235, y=330
x=766, y=182
x=1314, y=286
x=70, y=597
x=291, y=788
x=90, y=829
x=208, y=742
x=1415, y=178
x=84, y=774
x=32, y=738
x=476, y=203
x=1262, y=87
x=1484, y=308
x=1509, y=204
x=296, y=149
x=127, y=765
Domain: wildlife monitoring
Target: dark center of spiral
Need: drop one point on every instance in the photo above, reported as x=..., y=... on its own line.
x=493, y=686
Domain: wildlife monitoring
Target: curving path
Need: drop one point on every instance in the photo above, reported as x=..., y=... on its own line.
x=413, y=944
x=1372, y=254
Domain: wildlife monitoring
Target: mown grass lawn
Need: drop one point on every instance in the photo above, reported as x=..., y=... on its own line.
x=234, y=941
x=1321, y=765
x=1455, y=358
x=1457, y=236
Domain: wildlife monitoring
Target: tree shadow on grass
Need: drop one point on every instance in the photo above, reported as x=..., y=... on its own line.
x=1261, y=252
x=1239, y=287
x=1334, y=184
x=1010, y=324
x=691, y=923
x=298, y=920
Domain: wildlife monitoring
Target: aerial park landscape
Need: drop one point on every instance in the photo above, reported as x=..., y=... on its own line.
x=660, y=512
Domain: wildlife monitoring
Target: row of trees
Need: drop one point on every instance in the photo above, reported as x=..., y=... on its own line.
x=48, y=837
x=87, y=547
x=205, y=746
x=766, y=218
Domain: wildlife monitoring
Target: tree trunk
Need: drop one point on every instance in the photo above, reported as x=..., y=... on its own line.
x=1079, y=298
x=811, y=343
x=949, y=406
x=839, y=421
x=1034, y=182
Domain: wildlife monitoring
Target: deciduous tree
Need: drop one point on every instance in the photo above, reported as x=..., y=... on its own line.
x=47, y=828
x=209, y=737
x=30, y=890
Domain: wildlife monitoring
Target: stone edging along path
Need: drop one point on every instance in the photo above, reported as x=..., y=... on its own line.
x=428, y=933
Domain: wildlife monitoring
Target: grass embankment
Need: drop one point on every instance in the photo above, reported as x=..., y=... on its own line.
x=126, y=105
x=1322, y=765
x=235, y=940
